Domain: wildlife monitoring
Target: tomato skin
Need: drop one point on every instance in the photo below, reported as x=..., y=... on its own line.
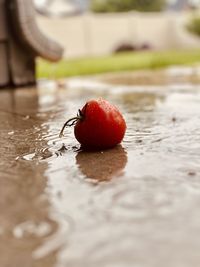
x=102, y=125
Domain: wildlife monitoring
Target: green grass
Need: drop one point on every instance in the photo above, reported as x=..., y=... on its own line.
x=114, y=63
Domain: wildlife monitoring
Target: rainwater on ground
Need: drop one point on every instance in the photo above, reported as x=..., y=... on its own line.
x=136, y=205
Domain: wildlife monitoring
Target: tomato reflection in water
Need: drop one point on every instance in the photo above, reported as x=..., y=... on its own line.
x=102, y=165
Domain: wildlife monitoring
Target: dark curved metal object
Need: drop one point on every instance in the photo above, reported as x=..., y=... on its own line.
x=21, y=42
x=23, y=17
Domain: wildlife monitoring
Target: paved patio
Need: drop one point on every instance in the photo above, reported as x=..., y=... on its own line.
x=134, y=205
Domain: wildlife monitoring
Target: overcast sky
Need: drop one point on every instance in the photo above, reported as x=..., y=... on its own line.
x=82, y=3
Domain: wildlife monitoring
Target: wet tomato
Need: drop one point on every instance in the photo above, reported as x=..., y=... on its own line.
x=98, y=125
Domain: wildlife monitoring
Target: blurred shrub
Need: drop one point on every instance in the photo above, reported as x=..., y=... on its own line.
x=128, y=47
x=145, y=46
x=194, y=25
x=127, y=5
x=125, y=47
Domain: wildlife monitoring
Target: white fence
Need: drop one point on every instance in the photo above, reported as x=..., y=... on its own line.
x=100, y=34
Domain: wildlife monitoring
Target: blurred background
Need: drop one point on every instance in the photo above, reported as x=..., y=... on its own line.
x=93, y=28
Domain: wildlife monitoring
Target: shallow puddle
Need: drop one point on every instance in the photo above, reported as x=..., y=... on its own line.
x=134, y=205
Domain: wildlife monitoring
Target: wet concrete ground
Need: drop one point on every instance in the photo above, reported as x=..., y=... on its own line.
x=136, y=205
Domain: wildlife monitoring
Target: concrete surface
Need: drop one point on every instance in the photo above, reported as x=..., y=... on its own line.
x=134, y=205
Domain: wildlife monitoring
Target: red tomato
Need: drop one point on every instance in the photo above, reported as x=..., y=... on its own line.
x=99, y=125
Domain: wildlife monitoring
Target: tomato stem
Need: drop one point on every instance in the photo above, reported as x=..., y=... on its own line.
x=72, y=121
x=69, y=123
